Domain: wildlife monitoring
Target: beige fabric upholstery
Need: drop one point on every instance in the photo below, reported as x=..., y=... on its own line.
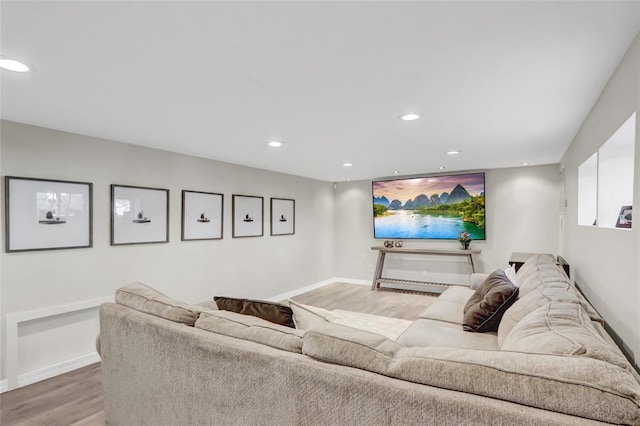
x=457, y=294
x=391, y=328
x=424, y=332
x=561, y=328
x=443, y=310
x=306, y=317
x=157, y=372
x=573, y=385
x=251, y=328
x=148, y=300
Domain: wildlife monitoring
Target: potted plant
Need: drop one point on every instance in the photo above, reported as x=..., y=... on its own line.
x=465, y=239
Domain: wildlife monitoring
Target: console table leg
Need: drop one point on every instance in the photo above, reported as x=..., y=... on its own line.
x=473, y=266
x=378, y=274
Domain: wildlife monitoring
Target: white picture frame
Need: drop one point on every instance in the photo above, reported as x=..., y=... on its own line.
x=47, y=214
x=202, y=217
x=139, y=215
x=247, y=216
x=283, y=216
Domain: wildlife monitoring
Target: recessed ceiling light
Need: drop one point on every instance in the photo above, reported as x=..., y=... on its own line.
x=13, y=65
x=453, y=152
x=410, y=117
x=395, y=172
x=441, y=168
x=275, y=144
x=348, y=179
x=347, y=165
x=525, y=164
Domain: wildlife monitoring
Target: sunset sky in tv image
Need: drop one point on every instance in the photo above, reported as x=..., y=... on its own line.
x=405, y=189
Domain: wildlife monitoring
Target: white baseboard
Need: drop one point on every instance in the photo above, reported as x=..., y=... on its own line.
x=352, y=281
x=4, y=385
x=296, y=292
x=57, y=369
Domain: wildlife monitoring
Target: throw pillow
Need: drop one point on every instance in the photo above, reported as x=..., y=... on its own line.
x=305, y=316
x=272, y=312
x=485, y=307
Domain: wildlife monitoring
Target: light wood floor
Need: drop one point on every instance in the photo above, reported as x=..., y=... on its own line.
x=75, y=398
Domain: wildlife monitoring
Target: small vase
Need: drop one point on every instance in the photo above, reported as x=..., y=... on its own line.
x=465, y=245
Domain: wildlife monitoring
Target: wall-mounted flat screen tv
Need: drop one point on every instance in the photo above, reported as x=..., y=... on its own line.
x=430, y=207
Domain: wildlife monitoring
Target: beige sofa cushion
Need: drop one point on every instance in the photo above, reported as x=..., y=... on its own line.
x=145, y=299
x=251, y=328
x=529, y=303
x=458, y=293
x=424, y=332
x=531, y=264
x=561, y=328
x=444, y=310
x=306, y=316
x=577, y=386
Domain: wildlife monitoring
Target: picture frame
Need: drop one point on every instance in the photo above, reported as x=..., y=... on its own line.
x=247, y=216
x=202, y=215
x=139, y=215
x=625, y=217
x=47, y=214
x=283, y=216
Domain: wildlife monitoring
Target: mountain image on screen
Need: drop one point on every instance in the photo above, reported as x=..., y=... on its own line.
x=437, y=207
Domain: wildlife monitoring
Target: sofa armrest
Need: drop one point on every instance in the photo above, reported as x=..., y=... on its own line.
x=476, y=280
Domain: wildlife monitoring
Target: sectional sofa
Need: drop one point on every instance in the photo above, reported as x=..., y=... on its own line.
x=549, y=362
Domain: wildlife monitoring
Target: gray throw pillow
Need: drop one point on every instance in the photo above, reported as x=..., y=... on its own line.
x=485, y=307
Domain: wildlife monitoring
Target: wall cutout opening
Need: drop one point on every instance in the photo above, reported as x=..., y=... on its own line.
x=588, y=191
x=605, y=181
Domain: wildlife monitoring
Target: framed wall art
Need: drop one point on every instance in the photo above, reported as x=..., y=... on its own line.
x=46, y=214
x=247, y=215
x=283, y=216
x=201, y=215
x=139, y=215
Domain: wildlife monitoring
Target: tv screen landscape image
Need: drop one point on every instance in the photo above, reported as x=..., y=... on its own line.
x=431, y=207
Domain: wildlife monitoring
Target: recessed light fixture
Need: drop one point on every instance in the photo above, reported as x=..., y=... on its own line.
x=347, y=165
x=395, y=172
x=453, y=152
x=525, y=163
x=13, y=65
x=275, y=144
x=441, y=168
x=348, y=179
x=409, y=117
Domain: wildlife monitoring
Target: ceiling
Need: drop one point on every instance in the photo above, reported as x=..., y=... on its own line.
x=504, y=82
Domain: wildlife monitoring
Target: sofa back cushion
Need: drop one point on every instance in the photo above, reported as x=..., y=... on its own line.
x=251, y=328
x=577, y=386
x=561, y=328
x=145, y=299
x=484, y=309
x=269, y=311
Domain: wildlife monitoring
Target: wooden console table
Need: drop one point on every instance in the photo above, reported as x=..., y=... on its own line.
x=377, y=278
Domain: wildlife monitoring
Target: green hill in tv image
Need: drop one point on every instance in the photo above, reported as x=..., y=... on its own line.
x=442, y=215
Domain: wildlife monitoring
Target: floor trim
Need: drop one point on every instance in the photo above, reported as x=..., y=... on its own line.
x=57, y=369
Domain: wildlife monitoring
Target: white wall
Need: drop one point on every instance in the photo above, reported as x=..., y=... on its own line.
x=522, y=214
x=192, y=271
x=606, y=260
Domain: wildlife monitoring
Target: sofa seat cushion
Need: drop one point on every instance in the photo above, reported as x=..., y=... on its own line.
x=444, y=310
x=457, y=294
x=145, y=299
x=578, y=386
x=424, y=332
x=561, y=328
x=486, y=306
x=247, y=327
